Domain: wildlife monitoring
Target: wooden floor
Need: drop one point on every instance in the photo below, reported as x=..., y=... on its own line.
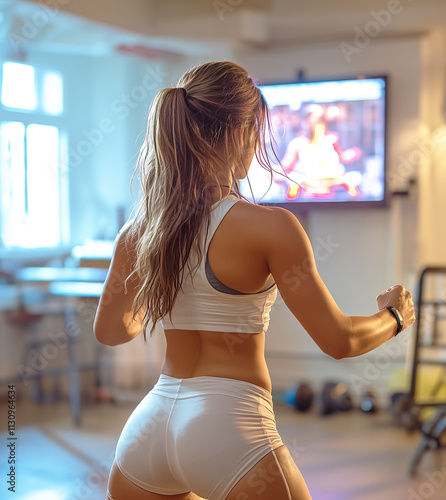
x=348, y=456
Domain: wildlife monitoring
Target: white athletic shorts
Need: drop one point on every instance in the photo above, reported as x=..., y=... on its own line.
x=200, y=434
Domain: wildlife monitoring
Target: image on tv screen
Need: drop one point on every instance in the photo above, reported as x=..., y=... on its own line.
x=330, y=139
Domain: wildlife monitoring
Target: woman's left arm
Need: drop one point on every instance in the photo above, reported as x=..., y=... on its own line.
x=114, y=323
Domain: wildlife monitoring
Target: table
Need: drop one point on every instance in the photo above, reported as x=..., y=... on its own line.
x=67, y=283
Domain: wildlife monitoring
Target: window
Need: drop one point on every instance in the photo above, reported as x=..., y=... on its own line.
x=25, y=89
x=31, y=184
x=52, y=99
x=18, y=86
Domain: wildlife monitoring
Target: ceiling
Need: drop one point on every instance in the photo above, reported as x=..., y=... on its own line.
x=155, y=28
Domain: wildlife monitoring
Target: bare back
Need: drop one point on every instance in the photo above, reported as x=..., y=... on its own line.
x=238, y=261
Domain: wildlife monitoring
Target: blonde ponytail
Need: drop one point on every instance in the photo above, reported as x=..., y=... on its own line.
x=214, y=108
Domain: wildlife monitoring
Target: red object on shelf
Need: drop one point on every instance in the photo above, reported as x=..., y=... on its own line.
x=146, y=52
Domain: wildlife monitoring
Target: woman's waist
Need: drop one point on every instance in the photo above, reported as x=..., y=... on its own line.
x=257, y=376
x=204, y=386
x=233, y=356
x=213, y=344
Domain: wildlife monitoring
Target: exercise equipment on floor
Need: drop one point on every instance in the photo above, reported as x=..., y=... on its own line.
x=433, y=436
x=368, y=402
x=335, y=397
x=404, y=411
x=428, y=354
x=300, y=396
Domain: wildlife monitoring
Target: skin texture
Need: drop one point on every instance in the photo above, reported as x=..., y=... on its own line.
x=251, y=244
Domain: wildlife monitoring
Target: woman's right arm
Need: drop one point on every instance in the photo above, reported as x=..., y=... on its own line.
x=115, y=323
x=291, y=262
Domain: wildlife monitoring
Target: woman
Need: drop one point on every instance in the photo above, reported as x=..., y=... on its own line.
x=208, y=266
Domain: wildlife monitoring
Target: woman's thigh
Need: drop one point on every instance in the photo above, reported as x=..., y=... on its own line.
x=121, y=488
x=275, y=476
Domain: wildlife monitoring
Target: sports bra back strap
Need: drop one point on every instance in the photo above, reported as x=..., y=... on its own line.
x=218, y=213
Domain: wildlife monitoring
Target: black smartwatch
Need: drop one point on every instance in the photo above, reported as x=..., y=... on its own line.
x=398, y=317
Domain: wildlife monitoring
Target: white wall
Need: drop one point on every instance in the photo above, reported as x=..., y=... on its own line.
x=110, y=98
x=431, y=152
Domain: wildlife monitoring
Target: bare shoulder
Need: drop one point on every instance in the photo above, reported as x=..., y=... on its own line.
x=263, y=212
x=271, y=232
x=274, y=221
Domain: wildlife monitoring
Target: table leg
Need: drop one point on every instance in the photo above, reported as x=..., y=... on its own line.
x=71, y=329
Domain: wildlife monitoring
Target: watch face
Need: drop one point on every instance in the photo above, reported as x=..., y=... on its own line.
x=399, y=315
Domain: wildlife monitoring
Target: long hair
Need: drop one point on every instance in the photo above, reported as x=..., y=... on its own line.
x=214, y=107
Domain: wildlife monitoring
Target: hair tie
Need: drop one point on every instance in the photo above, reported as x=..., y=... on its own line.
x=184, y=92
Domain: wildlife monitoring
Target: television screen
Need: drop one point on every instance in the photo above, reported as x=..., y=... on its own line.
x=330, y=139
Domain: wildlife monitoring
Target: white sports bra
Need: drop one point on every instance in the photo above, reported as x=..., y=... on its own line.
x=199, y=305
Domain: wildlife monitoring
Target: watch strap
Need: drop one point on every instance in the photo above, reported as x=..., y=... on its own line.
x=398, y=318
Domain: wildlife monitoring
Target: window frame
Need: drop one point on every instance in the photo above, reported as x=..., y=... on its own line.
x=39, y=117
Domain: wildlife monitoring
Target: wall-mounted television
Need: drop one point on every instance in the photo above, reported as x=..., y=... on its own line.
x=330, y=139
